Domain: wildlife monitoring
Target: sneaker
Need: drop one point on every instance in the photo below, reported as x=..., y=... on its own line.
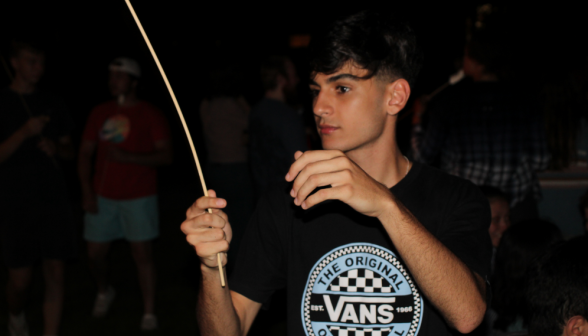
x=103, y=301
x=17, y=325
x=149, y=322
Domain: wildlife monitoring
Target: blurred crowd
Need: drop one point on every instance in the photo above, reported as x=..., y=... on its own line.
x=478, y=126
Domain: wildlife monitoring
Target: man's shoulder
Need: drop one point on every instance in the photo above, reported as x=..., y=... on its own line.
x=430, y=179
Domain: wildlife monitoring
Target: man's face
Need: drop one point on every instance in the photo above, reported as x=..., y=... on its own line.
x=29, y=66
x=500, y=219
x=349, y=111
x=119, y=83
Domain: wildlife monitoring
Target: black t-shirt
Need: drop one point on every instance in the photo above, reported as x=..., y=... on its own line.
x=342, y=273
x=29, y=174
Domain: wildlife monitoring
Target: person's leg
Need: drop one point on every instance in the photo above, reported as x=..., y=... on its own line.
x=140, y=219
x=143, y=255
x=97, y=253
x=52, y=307
x=19, y=280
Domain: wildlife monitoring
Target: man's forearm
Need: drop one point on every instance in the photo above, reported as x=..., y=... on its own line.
x=444, y=279
x=215, y=312
x=10, y=145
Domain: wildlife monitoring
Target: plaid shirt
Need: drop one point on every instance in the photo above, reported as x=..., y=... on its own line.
x=479, y=132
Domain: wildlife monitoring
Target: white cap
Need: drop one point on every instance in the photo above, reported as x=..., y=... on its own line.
x=126, y=65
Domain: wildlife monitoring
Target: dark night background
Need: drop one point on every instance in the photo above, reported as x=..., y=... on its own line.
x=82, y=37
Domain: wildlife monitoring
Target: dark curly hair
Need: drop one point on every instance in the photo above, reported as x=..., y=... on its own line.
x=377, y=42
x=520, y=244
x=557, y=287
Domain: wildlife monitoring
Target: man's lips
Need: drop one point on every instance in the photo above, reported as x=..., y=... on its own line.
x=327, y=129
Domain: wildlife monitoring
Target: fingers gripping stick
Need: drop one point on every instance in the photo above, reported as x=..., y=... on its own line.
x=181, y=115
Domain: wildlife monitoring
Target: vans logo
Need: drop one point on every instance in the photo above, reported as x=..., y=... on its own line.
x=361, y=289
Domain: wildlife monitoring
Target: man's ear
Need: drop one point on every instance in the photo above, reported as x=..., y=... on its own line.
x=576, y=326
x=396, y=95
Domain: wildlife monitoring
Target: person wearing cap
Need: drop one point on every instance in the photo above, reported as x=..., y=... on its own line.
x=130, y=138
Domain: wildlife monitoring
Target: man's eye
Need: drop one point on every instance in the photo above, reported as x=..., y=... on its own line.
x=342, y=89
x=314, y=93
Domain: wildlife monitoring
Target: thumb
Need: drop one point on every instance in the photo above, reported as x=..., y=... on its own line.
x=298, y=154
x=211, y=193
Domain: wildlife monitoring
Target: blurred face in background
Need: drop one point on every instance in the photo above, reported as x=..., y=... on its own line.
x=500, y=219
x=120, y=83
x=29, y=66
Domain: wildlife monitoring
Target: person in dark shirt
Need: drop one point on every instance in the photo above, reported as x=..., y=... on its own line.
x=364, y=241
x=34, y=134
x=481, y=131
x=276, y=131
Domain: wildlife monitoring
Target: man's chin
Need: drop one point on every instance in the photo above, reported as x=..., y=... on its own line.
x=334, y=146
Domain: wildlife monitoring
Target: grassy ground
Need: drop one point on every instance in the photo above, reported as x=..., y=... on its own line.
x=177, y=271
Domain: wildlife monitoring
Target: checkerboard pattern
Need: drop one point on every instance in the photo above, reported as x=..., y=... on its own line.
x=362, y=281
x=351, y=331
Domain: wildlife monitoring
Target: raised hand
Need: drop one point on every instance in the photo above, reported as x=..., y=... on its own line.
x=349, y=183
x=209, y=233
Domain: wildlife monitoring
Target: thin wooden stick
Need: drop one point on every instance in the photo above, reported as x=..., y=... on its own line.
x=173, y=96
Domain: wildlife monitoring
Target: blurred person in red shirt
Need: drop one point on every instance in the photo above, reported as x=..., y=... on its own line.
x=130, y=138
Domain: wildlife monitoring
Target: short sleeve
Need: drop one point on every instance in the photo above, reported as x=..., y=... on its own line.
x=91, y=130
x=159, y=126
x=260, y=269
x=465, y=232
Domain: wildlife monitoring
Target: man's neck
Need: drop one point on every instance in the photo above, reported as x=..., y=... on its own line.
x=21, y=86
x=382, y=160
x=276, y=94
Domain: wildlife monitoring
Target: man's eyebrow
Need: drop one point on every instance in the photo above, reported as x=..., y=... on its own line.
x=342, y=76
x=338, y=77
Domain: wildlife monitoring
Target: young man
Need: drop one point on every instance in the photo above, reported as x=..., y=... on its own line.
x=391, y=248
x=131, y=138
x=34, y=132
x=556, y=292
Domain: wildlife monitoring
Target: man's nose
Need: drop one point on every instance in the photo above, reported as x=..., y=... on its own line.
x=322, y=105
